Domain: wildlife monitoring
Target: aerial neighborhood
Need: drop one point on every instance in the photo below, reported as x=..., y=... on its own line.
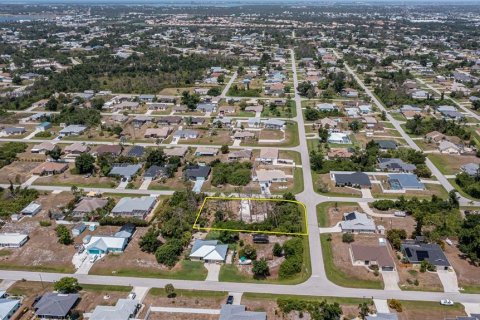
x=255, y=161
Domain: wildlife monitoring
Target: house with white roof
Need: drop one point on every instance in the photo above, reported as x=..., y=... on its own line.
x=8, y=307
x=357, y=222
x=125, y=309
x=209, y=251
x=12, y=240
x=138, y=207
x=338, y=137
x=106, y=244
x=32, y=209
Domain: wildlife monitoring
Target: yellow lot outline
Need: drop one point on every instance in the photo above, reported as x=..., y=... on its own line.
x=253, y=231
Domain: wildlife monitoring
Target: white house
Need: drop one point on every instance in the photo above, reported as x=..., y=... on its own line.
x=12, y=240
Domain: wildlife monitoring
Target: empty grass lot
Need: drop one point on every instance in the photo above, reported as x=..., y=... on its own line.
x=338, y=277
x=322, y=211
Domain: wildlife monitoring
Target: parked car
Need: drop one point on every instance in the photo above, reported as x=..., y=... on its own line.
x=132, y=295
x=446, y=302
x=230, y=300
x=93, y=258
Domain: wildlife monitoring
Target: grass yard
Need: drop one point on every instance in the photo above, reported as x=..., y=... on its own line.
x=338, y=277
x=322, y=211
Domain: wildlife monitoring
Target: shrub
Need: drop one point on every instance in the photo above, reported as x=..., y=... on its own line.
x=290, y=267
x=277, y=250
x=260, y=269
x=168, y=253
x=383, y=205
x=120, y=221
x=395, y=305
x=45, y=223
x=249, y=252
x=67, y=285
x=63, y=235
x=348, y=237
x=427, y=266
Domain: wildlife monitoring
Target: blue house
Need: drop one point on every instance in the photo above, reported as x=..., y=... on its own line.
x=44, y=126
x=106, y=244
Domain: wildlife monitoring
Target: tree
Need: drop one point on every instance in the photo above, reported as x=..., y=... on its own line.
x=453, y=199
x=425, y=265
x=469, y=237
x=476, y=104
x=224, y=149
x=215, y=91
x=190, y=100
x=304, y=88
x=316, y=160
x=364, y=310
x=383, y=117
x=52, y=104
x=395, y=236
x=149, y=241
x=168, y=253
x=63, y=235
x=97, y=103
x=170, y=290
x=221, y=79
x=260, y=269
x=155, y=157
x=354, y=126
x=84, y=163
x=67, y=285
x=16, y=80
x=248, y=252
x=277, y=249
x=55, y=153
x=348, y=237
x=323, y=134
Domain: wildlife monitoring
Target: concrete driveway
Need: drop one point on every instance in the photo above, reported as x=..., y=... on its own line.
x=381, y=306
x=449, y=280
x=335, y=229
x=213, y=271
x=237, y=297
x=185, y=310
x=390, y=279
x=146, y=182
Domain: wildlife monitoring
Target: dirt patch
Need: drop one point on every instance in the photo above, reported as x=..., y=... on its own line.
x=467, y=273
x=17, y=172
x=409, y=274
x=67, y=178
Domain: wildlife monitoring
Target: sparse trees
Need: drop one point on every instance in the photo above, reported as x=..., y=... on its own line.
x=260, y=269
x=84, y=163
x=63, y=235
x=67, y=285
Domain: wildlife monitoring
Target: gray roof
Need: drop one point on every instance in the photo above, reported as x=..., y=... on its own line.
x=238, y=312
x=140, y=204
x=55, y=304
x=416, y=252
x=155, y=171
x=136, y=151
x=386, y=144
x=471, y=168
x=194, y=172
x=121, y=311
x=357, y=221
x=125, y=170
x=406, y=180
x=355, y=178
x=383, y=316
x=395, y=164
x=73, y=129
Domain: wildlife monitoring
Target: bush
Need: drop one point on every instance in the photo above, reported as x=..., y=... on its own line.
x=277, y=250
x=348, y=237
x=260, y=269
x=168, y=253
x=290, y=267
x=383, y=205
x=249, y=252
x=427, y=266
x=149, y=241
x=395, y=236
x=67, y=285
x=293, y=247
x=45, y=223
x=63, y=235
x=395, y=305
x=120, y=221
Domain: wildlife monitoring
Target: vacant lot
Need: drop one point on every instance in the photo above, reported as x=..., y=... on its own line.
x=17, y=172
x=467, y=273
x=450, y=164
x=429, y=310
x=69, y=179
x=408, y=274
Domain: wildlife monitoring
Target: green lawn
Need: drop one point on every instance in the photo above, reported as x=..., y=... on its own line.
x=337, y=276
x=298, y=183
x=56, y=269
x=430, y=305
x=470, y=289
x=191, y=270
x=442, y=163
x=460, y=190
x=322, y=208
x=160, y=292
x=268, y=296
x=100, y=288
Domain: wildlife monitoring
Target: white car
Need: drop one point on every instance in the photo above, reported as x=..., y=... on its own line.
x=93, y=258
x=132, y=295
x=446, y=302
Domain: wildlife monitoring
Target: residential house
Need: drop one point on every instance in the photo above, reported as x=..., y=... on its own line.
x=161, y=106
x=223, y=122
x=338, y=138
x=10, y=131
x=140, y=120
x=138, y=207
x=197, y=173
x=87, y=205
x=419, y=94
x=109, y=149
x=146, y=97
x=50, y=168
x=209, y=251
x=176, y=152
x=472, y=169
x=382, y=316
x=357, y=222
x=434, y=136
x=226, y=110
x=124, y=309
x=415, y=251
x=186, y=134
x=368, y=255
x=55, y=305
x=161, y=133
x=73, y=130
x=239, y=155
x=365, y=108
x=326, y=107
x=349, y=93
x=385, y=145
x=78, y=229
x=405, y=181
x=155, y=172
x=206, y=151
x=352, y=179
x=136, y=152
x=106, y=244
x=243, y=135
x=239, y=312
x=43, y=147
x=8, y=307
x=395, y=164
x=206, y=107
x=169, y=120
x=126, y=231
x=76, y=149
x=448, y=147
x=32, y=209
x=274, y=124
x=12, y=240
x=269, y=176
x=44, y=126
x=268, y=155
